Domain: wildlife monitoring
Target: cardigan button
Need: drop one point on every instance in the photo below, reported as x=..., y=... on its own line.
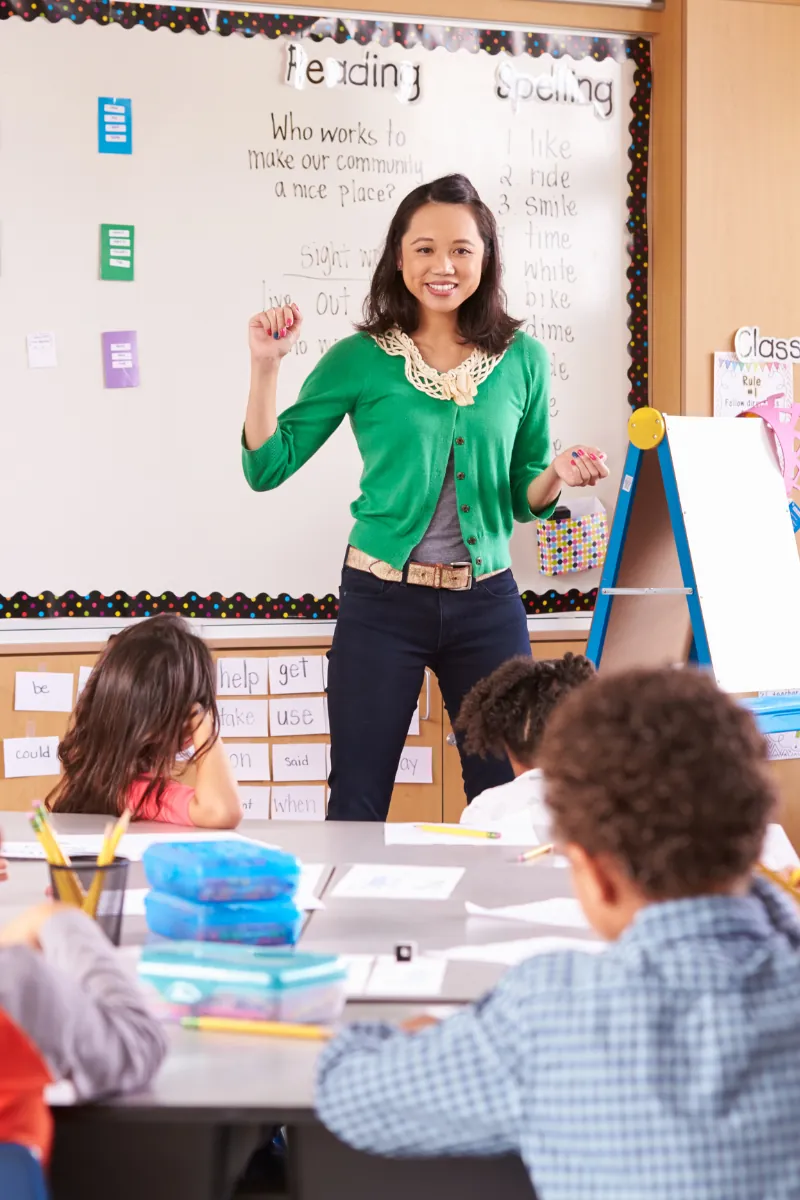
x=471, y=541
x=459, y=441
x=461, y=475
x=478, y=562
x=465, y=508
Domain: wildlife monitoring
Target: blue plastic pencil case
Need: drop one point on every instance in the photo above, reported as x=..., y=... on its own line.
x=775, y=714
x=221, y=870
x=186, y=979
x=274, y=922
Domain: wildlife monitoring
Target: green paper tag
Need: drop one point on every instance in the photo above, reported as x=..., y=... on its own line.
x=116, y=252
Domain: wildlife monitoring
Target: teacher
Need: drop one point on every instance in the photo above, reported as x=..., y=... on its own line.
x=449, y=404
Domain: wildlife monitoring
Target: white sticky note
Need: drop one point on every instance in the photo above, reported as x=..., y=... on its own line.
x=296, y=675
x=298, y=803
x=382, y=882
x=416, y=765
x=421, y=978
x=778, y=853
x=296, y=761
x=30, y=756
x=243, y=718
x=255, y=803
x=250, y=760
x=241, y=676
x=41, y=350
x=83, y=678
x=290, y=717
x=45, y=691
x=558, y=910
x=413, y=729
x=510, y=953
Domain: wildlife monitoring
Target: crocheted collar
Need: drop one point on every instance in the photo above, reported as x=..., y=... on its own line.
x=459, y=385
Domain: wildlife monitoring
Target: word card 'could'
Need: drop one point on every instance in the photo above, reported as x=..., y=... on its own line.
x=30, y=756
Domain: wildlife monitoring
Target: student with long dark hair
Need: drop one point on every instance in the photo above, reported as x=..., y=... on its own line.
x=449, y=404
x=150, y=697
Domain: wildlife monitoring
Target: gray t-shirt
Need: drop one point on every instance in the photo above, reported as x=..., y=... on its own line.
x=442, y=541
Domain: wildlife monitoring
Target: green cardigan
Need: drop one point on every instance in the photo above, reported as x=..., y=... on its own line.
x=500, y=444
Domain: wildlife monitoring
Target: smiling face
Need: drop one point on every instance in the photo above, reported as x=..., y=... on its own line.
x=441, y=256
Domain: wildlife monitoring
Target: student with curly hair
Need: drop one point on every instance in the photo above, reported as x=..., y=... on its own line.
x=504, y=716
x=665, y=1067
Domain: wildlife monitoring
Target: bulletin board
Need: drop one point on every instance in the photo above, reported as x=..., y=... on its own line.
x=243, y=186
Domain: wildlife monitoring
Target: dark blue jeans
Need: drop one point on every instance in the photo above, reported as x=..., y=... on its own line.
x=386, y=635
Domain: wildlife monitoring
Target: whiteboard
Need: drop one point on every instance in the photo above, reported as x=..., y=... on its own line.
x=738, y=527
x=142, y=488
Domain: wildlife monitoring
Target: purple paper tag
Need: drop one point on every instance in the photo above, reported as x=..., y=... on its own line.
x=121, y=359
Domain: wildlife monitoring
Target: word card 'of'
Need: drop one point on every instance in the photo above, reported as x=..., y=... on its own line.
x=250, y=760
x=255, y=803
x=295, y=761
x=296, y=718
x=298, y=803
x=416, y=765
x=44, y=691
x=241, y=676
x=295, y=675
x=243, y=718
x=30, y=756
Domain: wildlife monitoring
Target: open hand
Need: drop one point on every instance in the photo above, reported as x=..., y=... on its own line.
x=580, y=466
x=273, y=333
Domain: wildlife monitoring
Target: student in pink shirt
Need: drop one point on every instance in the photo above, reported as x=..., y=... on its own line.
x=150, y=697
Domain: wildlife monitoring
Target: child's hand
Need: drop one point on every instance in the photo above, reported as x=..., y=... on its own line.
x=202, y=726
x=417, y=1024
x=24, y=930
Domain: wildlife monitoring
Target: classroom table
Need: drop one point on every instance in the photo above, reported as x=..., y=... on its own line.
x=217, y=1095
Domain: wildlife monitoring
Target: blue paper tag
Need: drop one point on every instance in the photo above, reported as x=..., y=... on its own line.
x=114, y=133
x=794, y=513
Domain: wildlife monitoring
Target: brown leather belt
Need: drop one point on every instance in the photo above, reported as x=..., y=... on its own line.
x=453, y=577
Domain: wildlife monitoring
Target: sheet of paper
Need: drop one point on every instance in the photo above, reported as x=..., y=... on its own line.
x=359, y=967
x=382, y=882
x=295, y=675
x=740, y=386
x=114, y=125
x=120, y=359
x=133, y=904
x=298, y=803
x=422, y=977
x=23, y=757
x=255, y=802
x=413, y=729
x=41, y=351
x=416, y=765
x=116, y=252
x=782, y=745
x=241, y=676
x=511, y=953
x=298, y=761
x=250, y=760
x=243, y=718
x=290, y=717
x=399, y=833
x=83, y=678
x=43, y=691
x=132, y=847
x=556, y=911
x=778, y=852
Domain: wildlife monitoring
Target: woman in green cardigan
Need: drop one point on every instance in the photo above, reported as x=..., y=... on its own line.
x=449, y=404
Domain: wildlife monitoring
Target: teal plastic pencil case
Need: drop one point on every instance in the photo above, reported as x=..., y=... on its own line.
x=256, y=922
x=186, y=979
x=223, y=869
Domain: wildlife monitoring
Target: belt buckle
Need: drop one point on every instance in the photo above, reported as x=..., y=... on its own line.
x=468, y=566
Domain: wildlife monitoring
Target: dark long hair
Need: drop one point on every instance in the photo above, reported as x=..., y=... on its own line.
x=482, y=318
x=132, y=717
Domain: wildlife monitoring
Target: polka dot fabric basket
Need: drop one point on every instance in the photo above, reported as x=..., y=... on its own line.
x=576, y=542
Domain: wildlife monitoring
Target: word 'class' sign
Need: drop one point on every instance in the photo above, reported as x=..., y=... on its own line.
x=750, y=345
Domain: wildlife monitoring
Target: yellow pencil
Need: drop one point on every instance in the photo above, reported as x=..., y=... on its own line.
x=68, y=885
x=459, y=831
x=108, y=852
x=537, y=852
x=309, y=1033
x=779, y=881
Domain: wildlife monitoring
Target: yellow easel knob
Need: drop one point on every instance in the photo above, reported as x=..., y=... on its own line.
x=646, y=428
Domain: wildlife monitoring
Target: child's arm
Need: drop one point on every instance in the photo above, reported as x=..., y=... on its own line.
x=451, y=1089
x=215, y=804
x=64, y=984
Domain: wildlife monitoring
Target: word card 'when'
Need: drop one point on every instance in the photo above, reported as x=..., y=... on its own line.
x=296, y=675
x=255, y=803
x=295, y=761
x=43, y=691
x=243, y=718
x=241, y=676
x=250, y=760
x=298, y=803
x=30, y=756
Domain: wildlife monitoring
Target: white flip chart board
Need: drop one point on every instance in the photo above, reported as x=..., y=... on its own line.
x=255, y=179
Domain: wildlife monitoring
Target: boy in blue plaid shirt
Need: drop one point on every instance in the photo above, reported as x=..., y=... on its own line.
x=666, y=1068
